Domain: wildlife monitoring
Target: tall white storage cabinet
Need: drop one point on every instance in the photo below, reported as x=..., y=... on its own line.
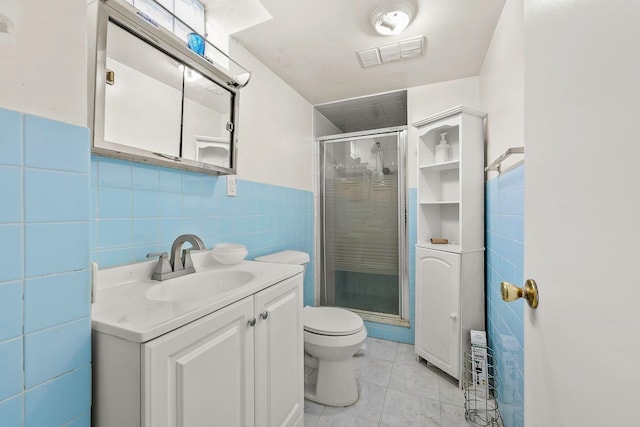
x=450, y=277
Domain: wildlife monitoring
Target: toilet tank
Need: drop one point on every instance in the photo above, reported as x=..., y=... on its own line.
x=286, y=257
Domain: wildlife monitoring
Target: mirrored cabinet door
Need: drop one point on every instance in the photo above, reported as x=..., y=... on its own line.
x=207, y=125
x=143, y=95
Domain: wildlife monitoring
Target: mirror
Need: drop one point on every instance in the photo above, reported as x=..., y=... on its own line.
x=143, y=95
x=207, y=122
x=158, y=102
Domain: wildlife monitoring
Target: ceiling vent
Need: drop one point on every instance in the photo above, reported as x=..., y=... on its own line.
x=403, y=49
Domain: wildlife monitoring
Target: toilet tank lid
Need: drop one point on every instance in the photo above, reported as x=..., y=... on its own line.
x=331, y=321
x=286, y=257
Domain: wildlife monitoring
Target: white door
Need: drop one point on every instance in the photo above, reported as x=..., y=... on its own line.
x=582, y=212
x=279, y=355
x=202, y=374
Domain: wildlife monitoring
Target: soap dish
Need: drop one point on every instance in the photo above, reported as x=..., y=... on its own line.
x=229, y=253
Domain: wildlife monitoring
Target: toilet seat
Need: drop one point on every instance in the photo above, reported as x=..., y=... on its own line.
x=331, y=321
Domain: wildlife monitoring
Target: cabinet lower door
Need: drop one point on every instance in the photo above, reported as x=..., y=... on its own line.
x=279, y=355
x=438, y=309
x=202, y=374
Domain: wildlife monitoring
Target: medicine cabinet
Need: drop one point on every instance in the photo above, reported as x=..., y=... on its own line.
x=155, y=100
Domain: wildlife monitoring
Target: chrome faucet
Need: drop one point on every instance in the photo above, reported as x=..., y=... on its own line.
x=177, y=265
x=184, y=263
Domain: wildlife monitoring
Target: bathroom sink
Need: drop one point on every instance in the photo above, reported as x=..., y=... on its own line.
x=198, y=285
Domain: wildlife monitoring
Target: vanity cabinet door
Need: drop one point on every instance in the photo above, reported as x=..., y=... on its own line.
x=438, y=309
x=279, y=355
x=203, y=373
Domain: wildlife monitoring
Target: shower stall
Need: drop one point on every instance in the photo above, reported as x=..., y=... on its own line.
x=364, y=223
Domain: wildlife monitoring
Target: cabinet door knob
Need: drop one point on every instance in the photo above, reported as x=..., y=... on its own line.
x=264, y=314
x=252, y=321
x=453, y=316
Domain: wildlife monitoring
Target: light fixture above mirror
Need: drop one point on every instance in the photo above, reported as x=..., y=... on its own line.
x=392, y=18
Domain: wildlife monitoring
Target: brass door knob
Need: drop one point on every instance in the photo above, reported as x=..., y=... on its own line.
x=511, y=292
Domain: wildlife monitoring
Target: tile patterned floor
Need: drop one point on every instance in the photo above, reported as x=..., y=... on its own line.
x=395, y=391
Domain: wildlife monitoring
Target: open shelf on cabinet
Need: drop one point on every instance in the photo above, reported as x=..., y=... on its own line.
x=439, y=220
x=449, y=247
x=439, y=185
x=442, y=202
x=452, y=164
x=428, y=141
x=450, y=193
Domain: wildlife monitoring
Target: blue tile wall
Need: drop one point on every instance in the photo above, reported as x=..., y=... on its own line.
x=10, y=310
x=393, y=332
x=11, y=137
x=60, y=400
x=45, y=200
x=11, y=250
x=57, y=299
x=11, y=355
x=505, y=261
x=56, y=247
x=81, y=421
x=44, y=278
x=11, y=188
x=139, y=208
x=49, y=144
x=40, y=364
x=11, y=411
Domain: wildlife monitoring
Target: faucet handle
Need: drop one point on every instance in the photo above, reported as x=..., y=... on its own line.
x=163, y=267
x=159, y=254
x=186, y=257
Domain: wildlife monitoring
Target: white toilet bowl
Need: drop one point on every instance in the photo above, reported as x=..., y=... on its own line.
x=331, y=337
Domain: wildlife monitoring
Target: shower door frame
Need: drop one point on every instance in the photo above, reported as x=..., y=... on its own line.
x=400, y=132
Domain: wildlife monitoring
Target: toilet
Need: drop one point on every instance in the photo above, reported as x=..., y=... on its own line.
x=332, y=336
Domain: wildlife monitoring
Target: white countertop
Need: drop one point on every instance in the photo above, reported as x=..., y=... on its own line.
x=121, y=309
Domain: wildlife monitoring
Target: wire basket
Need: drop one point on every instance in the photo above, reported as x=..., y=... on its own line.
x=479, y=384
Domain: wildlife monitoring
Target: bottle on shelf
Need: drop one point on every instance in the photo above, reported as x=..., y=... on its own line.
x=443, y=151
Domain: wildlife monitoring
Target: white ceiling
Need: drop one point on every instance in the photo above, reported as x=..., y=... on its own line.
x=311, y=44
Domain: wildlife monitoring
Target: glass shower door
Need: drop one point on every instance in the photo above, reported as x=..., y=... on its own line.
x=363, y=223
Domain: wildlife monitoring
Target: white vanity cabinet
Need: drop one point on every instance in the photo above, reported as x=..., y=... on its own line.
x=241, y=365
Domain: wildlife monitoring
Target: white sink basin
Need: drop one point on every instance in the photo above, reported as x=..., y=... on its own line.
x=198, y=285
x=129, y=305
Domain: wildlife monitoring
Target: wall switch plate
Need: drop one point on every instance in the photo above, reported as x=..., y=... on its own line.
x=231, y=185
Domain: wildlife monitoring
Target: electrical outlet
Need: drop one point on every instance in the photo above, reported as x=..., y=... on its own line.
x=231, y=185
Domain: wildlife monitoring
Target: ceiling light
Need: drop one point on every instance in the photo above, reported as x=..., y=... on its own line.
x=392, y=18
